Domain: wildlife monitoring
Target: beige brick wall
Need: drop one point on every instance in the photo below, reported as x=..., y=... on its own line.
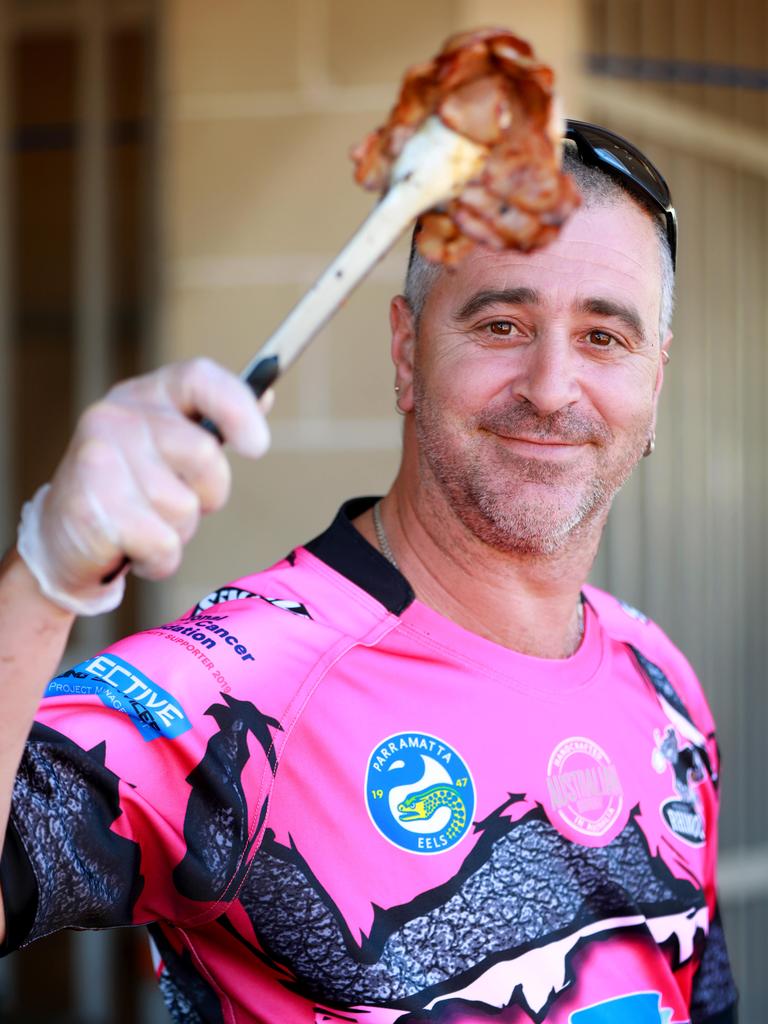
x=261, y=103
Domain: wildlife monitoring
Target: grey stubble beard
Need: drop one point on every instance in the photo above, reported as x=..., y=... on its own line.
x=483, y=493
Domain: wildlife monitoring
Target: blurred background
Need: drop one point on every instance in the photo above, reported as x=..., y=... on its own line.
x=174, y=175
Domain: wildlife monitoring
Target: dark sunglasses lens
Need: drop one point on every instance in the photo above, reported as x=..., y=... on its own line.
x=628, y=161
x=599, y=147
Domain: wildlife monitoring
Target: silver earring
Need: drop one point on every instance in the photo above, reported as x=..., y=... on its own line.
x=650, y=448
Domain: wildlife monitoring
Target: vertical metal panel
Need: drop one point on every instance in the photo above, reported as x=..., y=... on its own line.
x=750, y=21
x=720, y=46
x=93, y=369
x=92, y=957
x=7, y=497
x=752, y=277
x=152, y=236
x=93, y=349
x=688, y=538
x=747, y=942
x=91, y=965
x=687, y=37
x=93, y=981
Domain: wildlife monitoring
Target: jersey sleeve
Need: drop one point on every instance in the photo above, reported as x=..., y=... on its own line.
x=63, y=865
x=140, y=790
x=681, y=695
x=714, y=995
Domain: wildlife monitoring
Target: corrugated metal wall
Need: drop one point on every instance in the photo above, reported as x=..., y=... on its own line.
x=688, y=542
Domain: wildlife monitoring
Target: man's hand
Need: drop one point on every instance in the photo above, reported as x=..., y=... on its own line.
x=135, y=479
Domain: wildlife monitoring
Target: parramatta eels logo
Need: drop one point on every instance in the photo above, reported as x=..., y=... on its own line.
x=419, y=792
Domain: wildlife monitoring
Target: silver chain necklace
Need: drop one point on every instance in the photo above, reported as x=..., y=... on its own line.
x=386, y=550
x=381, y=536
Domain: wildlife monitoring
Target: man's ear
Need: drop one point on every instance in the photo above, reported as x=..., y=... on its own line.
x=663, y=360
x=403, y=348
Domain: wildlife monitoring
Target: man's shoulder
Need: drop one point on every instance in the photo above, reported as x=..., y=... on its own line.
x=658, y=656
x=264, y=618
x=285, y=586
x=258, y=639
x=621, y=619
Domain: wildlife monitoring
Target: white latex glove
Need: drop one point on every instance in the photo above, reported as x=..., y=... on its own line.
x=135, y=479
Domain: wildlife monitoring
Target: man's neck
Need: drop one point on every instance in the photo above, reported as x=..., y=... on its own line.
x=528, y=603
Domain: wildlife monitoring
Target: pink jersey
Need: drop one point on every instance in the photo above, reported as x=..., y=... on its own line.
x=330, y=803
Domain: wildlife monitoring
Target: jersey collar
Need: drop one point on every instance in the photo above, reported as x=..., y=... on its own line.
x=345, y=550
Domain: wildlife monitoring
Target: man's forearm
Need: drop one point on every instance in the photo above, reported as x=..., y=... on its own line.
x=134, y=480
x=33, y=634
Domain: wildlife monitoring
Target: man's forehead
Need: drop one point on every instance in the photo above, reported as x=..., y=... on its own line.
x=607, y=248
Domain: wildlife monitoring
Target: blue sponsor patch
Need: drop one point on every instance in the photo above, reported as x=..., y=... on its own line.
x=639, y=1008
x=123, y=687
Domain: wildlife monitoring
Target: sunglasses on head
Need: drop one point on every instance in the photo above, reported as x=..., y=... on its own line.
x=598, y=147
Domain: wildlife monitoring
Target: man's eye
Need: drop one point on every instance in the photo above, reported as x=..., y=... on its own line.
x=501, y=328
x=601, y=339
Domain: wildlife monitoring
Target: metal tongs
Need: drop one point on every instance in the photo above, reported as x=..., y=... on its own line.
x=434, y=166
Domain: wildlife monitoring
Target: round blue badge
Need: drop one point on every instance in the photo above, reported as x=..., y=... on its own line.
x=419, y=792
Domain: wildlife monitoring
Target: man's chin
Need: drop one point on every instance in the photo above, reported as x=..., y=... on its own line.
x=540, y=526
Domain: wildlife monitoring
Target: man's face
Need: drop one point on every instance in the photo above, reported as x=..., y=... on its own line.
x=534, y=379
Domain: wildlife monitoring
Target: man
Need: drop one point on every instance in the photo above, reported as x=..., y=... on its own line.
x=418, y=770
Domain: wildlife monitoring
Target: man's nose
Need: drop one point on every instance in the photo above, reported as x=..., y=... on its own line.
x=548, y=374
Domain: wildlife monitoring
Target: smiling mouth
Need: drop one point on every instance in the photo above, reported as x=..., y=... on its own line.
x=544, y=442
x=540, y=442
x=538, y=450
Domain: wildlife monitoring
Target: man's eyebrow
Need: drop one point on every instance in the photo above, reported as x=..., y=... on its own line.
x=620, y=311
x=502, y=297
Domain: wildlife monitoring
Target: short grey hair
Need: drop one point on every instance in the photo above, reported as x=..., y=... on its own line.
x=596, y=188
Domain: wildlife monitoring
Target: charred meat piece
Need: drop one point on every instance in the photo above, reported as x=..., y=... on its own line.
x=488, y=86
